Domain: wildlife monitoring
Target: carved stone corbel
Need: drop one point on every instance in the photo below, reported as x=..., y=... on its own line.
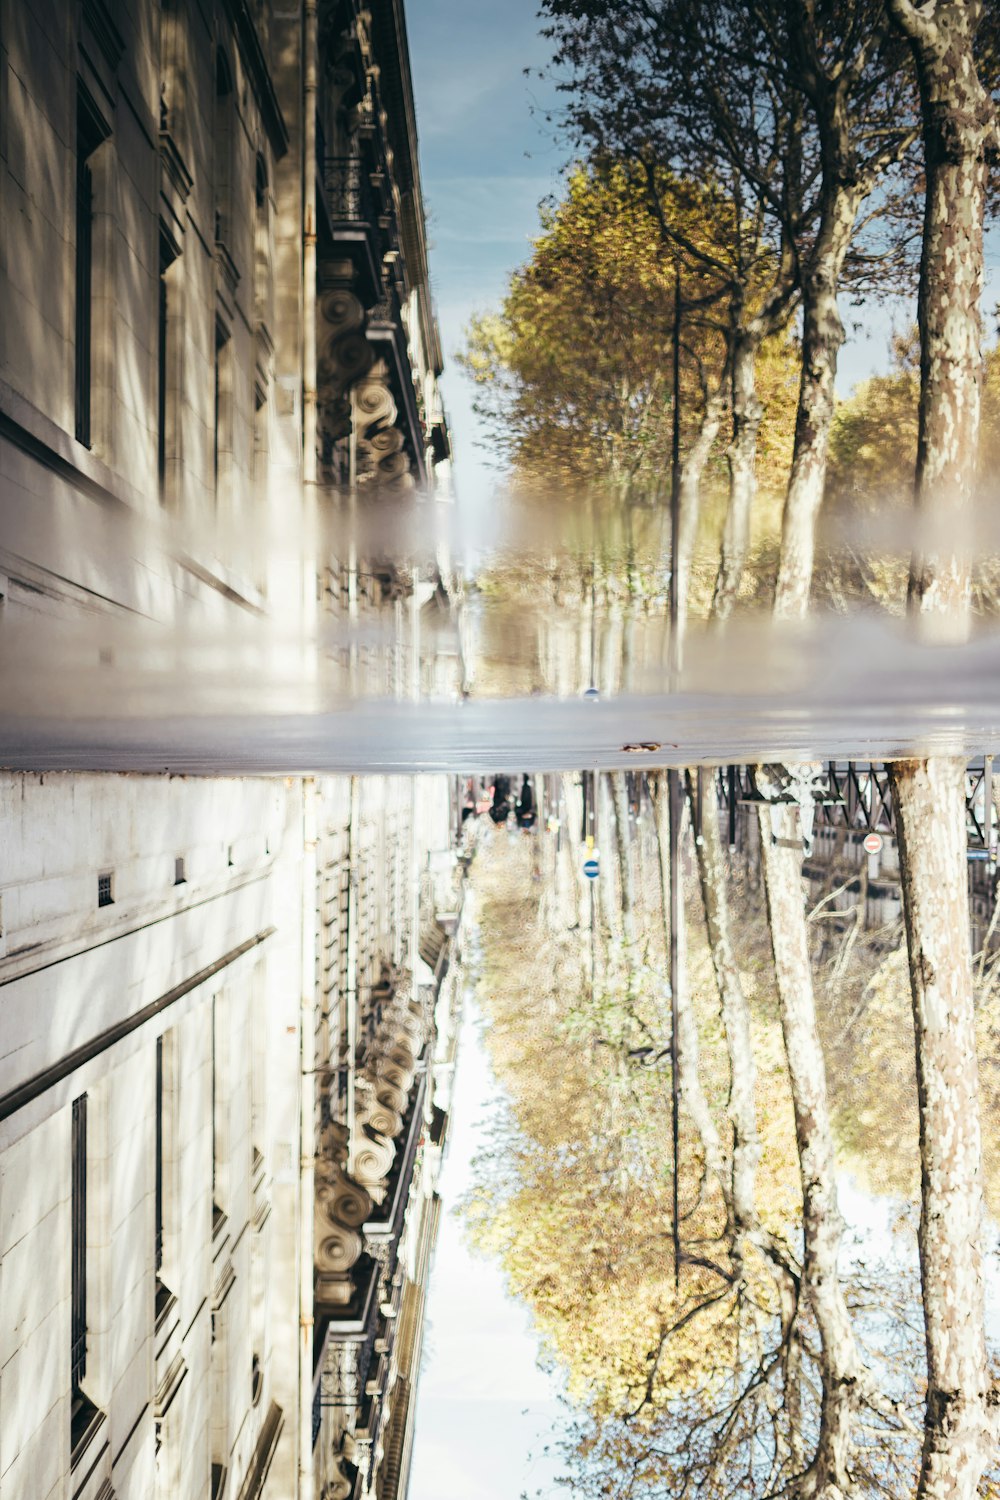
x=372, y=1163
x=342, y=1205
x=345, y=357
x=381, y=460
x=339, y=1487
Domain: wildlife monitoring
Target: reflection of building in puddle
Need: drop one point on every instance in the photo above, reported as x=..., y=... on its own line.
x=226, y=1005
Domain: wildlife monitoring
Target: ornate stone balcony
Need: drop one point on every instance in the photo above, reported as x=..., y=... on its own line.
x=360, y=221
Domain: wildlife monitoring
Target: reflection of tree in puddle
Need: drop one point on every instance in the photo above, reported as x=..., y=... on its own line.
x=735, y=1379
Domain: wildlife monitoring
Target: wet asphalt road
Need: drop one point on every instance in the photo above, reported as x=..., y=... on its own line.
x=536, y=734
x=844, y=689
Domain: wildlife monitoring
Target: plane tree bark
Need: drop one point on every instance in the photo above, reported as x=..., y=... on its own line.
x=688, y=1041
x=828, y=1474
x=852, y=75
x=626, y=874
x=741, y=1107
x=961, y=1426
x=959, y=131
x=741, y=457
x=692, y=473
x=961, y=1419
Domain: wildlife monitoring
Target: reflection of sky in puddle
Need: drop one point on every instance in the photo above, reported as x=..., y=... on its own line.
x=882, y=1230
x=484, y=1409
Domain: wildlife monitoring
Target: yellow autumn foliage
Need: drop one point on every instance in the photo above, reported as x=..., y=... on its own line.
x=574, y=373
x=574, y=1194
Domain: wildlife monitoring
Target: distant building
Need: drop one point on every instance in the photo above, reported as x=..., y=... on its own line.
x=222, y=1001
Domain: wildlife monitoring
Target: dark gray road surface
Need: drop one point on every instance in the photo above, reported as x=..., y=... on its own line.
x=516, y=734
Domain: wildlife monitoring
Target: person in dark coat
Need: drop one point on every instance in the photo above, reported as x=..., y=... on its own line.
x=526, y=815
x=500, y=809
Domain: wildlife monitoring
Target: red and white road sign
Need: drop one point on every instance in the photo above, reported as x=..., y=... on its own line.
x=873, y=843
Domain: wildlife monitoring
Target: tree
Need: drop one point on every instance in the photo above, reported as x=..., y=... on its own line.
x=741, y=1106
x=873, y=441
x=718, y=1386
x=955, y=49
x=665, y=87
x=574, y=374
x=574, y=1192
x=850, y=69
x=844, y=1382
x=805, y=111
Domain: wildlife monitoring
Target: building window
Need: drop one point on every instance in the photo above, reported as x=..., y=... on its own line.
x=161, y=382
x=223, y=139
x=261, y=436
x=78, y=1356
x=82, y=1409
x=218, y=1121
x=159, y=1157
x=166, y=1066
x=91, y=132
x=84, y=268
x=262, y=240
x=170, y=293
x=179, y=876
x=105, y=889
x=166, y=345
x=223, y=433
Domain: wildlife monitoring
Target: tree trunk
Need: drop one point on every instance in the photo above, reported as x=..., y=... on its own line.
x=959, y=1429
x=619, y=795
x=688, y=1044
x=572, y=801
x=692, y=471
x=822, y=336
x=822, y=1225
x=742, y=456
x=958, y=118
x=604, y=810
x=735, y=1012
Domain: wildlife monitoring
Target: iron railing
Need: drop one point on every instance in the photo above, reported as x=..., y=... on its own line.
x=387, y=309
x=355, y=194
x=858, y=795
x=349, y=192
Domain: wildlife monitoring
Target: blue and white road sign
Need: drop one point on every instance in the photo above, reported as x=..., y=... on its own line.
x=591, y=869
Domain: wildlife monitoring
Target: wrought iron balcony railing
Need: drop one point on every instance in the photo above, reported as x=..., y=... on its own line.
x=349, y=191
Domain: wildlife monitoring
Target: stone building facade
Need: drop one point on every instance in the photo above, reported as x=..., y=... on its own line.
x=218, y=340
x=219, y=1130
x=222, y=1001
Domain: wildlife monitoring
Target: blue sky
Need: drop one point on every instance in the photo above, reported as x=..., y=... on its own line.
x=486, y=161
